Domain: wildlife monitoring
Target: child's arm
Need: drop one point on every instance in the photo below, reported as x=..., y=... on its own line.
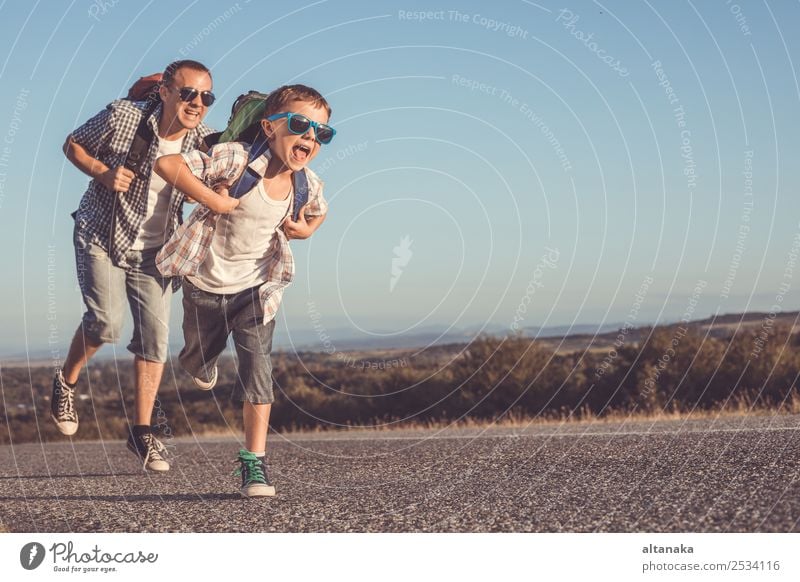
x=303, y=227
x=175, y=171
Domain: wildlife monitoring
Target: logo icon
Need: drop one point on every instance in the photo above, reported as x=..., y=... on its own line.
x=31, y=555
x=402, y=255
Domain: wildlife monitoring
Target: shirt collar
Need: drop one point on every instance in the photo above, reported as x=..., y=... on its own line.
x=154, y=117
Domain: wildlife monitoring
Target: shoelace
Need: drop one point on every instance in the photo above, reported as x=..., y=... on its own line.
x=159, y=445
x=66, y=403
x=252, y=468
x=154, y=448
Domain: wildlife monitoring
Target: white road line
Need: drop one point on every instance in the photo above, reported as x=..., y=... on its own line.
x=335, y=438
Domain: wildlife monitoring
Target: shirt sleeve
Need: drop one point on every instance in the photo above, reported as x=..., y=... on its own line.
x=317, y=205
x=94, y=135
x=223, y=162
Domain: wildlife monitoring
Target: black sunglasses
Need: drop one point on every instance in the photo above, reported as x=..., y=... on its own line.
x=189, y=94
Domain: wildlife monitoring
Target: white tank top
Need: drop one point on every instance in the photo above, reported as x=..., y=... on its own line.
x=243, y=243
x=153, y=231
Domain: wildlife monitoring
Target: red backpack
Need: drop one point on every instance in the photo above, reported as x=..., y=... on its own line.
x=145, y=89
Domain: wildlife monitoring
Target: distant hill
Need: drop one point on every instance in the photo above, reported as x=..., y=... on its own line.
x=565, y=339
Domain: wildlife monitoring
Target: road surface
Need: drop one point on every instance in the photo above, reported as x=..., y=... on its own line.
x=721, y=475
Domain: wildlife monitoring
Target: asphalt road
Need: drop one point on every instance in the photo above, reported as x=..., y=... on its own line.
x=734, y=474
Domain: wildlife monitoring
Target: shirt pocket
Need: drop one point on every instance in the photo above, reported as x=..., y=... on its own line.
x=120, y=142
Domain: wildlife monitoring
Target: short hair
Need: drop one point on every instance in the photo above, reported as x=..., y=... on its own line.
x=280, y=97
x=169, y=73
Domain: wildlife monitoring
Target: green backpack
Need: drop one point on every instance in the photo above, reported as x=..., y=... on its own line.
x=244, y=123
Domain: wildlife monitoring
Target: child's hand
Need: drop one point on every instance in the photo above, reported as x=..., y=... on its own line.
x=298, y=229
x=222, y=203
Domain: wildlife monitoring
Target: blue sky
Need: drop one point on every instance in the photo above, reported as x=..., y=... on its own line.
x=482, y=134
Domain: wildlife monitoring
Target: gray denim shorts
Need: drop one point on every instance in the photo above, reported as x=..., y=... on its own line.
x=106, y=288
x=208, y=320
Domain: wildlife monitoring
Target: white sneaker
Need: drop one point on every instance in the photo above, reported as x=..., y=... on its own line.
x=62, y=406
x=206, y=384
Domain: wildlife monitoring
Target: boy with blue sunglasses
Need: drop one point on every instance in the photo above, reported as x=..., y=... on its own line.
x=235, y=259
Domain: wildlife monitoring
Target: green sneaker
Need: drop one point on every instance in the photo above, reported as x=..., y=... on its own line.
x=255, y=482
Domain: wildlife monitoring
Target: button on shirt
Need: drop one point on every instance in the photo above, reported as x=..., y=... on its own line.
x=113, y=220
x=183, y=254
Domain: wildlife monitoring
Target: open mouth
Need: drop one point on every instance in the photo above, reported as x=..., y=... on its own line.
x=301, y=152
x=192, y=114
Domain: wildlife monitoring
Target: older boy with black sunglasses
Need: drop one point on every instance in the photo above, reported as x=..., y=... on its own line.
x=237, y=266
x=122, y=221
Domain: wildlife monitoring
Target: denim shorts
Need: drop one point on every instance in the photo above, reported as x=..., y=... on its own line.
x=106, y=288
x=208, y=320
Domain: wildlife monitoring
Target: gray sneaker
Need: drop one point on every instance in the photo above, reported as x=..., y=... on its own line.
x=62, y=406
x=150, y=451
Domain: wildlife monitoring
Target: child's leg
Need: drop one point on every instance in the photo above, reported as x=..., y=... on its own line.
x=256, y=425
x=254, y=381
x=252, y=459
x=253, y=387
x=253, y=341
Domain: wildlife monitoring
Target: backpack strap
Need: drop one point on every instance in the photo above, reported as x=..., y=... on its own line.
x=137, y=155
x=250, y=178
x=300, y=181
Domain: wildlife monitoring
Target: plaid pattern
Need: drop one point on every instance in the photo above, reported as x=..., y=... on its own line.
x=113, y=220
x=187, y=249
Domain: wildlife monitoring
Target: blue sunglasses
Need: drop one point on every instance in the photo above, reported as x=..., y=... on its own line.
x=300, y=124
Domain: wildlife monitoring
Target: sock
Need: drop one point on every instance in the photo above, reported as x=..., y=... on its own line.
x=259, y=455
x=140, y=429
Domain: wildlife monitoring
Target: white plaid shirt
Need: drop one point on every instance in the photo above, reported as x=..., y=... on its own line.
x=187, y=249
x=108, y=137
